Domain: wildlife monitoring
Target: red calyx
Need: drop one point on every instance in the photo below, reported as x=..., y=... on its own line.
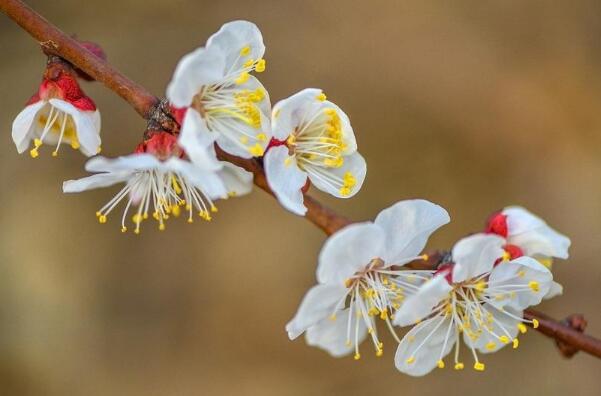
x=275, y=143
x=447, y=269
x=497, y=224
x=513, y=251
x=60, y=84
x=178, y=113
x=162, y=145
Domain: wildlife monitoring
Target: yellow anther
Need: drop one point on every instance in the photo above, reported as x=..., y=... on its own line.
x=190, y=220
x=248, y=63
x=522, y=328
x=330, y=111
x=321, y=97
x=479, y=366
x=440, y=364
x=547, y=262
x=459, y=366
x=55, y=153
x=379, y=352
x=384, y=314
x=256, y=150
x=515, y=343
x=333, y=317
x=410, y=360
x=506, y=256
x=534, y=286
x=75, y=144
x=162, y=227
x=491, y=346
x=175, y=209
x=34, y=153
x=37, y=142
x=123, y=229
x=137, y=218
x=504, y=339
x=357, y=356
x=261, y=137
x=260, y=66
x=99, y=150
x=244, y=51
x=535, y=323
x=98, y=214
x=425, y=257
x=214, y=209
x=480, y=286
x=102, y=219
x=242, y=78
x=370, y=330
x=137, y=231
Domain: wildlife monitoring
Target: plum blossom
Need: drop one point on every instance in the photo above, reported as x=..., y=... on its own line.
x=159, y=181
x=59, y=113
x=473, y=297
x=526, y=234
x=312, y=140
x=215, y=83
x=357, y=281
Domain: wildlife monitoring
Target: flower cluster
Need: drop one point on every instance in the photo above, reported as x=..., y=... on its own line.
x=216, y=102
x=478, y=292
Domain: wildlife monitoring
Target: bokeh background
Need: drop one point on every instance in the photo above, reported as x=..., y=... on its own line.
x=473, y=105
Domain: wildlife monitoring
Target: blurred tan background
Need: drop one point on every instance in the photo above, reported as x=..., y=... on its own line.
x=474, y=105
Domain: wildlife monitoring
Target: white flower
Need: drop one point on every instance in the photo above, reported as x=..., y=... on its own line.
x=59, y=113
x=159, y=182
x=314, y=140
x=529, y=235
x=473, y=296
x=215, y=83
x=356, y=280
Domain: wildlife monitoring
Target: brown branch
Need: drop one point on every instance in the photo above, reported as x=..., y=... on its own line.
x=568, y=333
x=55, y=42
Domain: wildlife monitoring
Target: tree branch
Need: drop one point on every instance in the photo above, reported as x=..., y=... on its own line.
x=568, y=333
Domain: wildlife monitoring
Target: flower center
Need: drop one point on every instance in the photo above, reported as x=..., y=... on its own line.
x=56, y=126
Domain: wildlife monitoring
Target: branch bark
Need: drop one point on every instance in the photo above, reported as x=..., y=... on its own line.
x=568, y=334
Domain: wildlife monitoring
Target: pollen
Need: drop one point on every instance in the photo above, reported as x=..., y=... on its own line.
x=522, y=328
x=504, y=339
x=321, y=97
x=535, y=323
x=515, y=343
x=478, y=366
x=244, y=76
x=410, y=360
x=379, y=352
x=534, y=286
x=256, y=150
x=357, y=356
x=260, y=66
x=102, y=219
x=459, y=366
x=245, y=51
x=34, y=153
x=440, y=364
x=491, y=346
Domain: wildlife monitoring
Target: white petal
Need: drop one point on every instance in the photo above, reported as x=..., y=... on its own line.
x=209, y=182
x=124, y=163
x=237, y=181
x=533, y=235
x=502, y=325
x=353, y=164
x=519, y=273
x=555, y=290
x=408, y=225
x=95, y=181
x=348, y=251
x=285, y=179
x=232, y=38
x=331, y=335
x=196, y=69
x=420, y=305
x=319, y=303
x=86, y=126
x=429, y=336
x=197, y=141
x=22, y=125
x=287, y=114
x=238, y=137
x=476, y=255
